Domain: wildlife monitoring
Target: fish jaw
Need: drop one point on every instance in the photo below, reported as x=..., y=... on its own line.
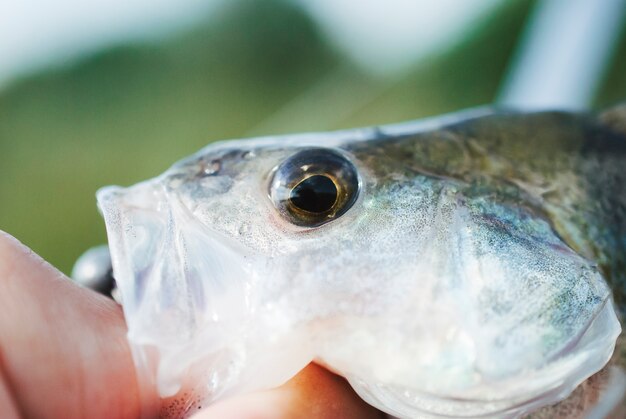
x=188, y=301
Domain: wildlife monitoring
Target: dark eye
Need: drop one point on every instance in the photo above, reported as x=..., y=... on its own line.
x=314, y=186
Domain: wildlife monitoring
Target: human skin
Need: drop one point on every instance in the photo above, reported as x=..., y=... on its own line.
x=64, y=353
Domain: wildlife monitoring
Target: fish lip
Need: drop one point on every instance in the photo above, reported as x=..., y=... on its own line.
x=558, y=389
x=113, y=209
x=168, y=305
x=169, y=219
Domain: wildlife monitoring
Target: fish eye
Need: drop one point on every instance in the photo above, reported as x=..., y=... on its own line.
x=314, y=186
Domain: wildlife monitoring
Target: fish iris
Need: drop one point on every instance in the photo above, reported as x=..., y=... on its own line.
x=314, y=186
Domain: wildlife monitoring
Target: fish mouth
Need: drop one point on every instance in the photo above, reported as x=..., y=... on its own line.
x=180, y=285
x=186, y=293
x=517, y=396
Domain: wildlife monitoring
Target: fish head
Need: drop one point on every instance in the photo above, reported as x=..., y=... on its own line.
x=432, y=294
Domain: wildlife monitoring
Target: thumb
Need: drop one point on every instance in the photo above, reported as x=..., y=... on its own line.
x=63, y=348
x=314, y=393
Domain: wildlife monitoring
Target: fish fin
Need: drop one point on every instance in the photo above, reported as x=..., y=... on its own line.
x=615, y=117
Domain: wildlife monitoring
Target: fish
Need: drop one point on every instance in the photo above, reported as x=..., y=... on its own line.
x=468, y=265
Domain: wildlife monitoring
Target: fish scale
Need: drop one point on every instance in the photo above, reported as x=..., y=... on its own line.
x=471, y=273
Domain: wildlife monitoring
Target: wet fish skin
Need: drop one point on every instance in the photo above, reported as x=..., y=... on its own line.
x=570, y=168
x=533, y=186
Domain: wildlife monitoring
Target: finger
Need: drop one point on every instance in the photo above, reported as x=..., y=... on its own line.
x=63, y=348
x=8, y=409
x=315, y=393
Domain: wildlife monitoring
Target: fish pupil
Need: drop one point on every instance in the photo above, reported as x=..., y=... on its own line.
x=316, y=194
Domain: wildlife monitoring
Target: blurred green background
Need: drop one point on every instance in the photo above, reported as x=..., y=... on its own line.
x=253, y=68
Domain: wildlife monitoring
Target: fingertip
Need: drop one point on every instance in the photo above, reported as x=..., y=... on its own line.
x=314, y=393
x=64, y=346
x=10, y=249
x=5, y=236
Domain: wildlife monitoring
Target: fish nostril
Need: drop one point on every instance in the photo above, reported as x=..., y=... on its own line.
x=210, y=168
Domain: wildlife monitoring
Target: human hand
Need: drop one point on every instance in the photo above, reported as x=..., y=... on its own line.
x=64, y=354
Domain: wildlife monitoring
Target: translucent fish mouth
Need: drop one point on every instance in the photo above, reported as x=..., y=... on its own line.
x=515, y=397
x=136, y=230
x=171, y=276
x=186, y=298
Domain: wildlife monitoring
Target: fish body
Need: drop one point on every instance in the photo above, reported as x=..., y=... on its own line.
x=468, y=266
